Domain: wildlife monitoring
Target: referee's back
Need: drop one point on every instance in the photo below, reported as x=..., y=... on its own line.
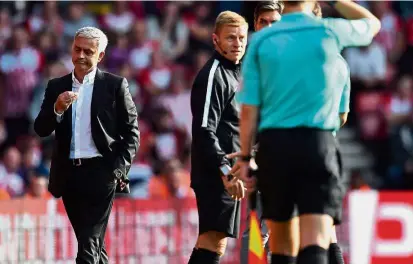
x=292, y=72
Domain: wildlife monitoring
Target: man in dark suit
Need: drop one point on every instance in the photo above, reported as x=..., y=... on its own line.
x=96, y=139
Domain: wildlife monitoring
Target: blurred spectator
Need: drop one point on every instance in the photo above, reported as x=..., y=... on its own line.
x=400, y=108
x=78, y=18
x=46, y=19
x=172, y=32
x=201, y=27
x=170, y=141
x=357, y=182
x=371, y=109
x=5, y=27
x=47, y=43
x=31, y=157
x=141, y=48
x=172, y=182
x=178, y=102
x=18, y=61
x=400, y=117
x=4, y=195
x=118, y=54
x=52, y=70
x=9, y=179
x=157, y=77
x=3, y=132
x=368, y=66
x=120, y=20
x=140, y=174
x=391, y=36
x=198, y=61
x=126, y=71
x=66, y=59
x=38, y=185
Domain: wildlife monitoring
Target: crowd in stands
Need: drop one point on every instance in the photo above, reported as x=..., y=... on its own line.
x=159, y=47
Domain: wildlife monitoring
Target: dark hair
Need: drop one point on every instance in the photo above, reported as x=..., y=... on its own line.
x=265, y=6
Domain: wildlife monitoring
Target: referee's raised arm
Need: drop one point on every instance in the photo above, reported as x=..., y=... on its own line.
x=357, y=27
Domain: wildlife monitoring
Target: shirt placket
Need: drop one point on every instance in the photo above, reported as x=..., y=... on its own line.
x=78, y=114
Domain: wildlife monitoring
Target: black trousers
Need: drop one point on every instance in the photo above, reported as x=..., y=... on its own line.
x=88, y=201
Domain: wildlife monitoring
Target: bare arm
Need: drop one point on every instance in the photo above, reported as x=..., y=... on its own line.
x=352, y=11
x=248, y=126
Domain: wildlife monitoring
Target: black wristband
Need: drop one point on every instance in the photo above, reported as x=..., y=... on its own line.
x=331, y=3
x=230, y=177
x=246, y=158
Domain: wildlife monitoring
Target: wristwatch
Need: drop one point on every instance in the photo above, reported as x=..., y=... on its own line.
x=225, y=171
x=245, y=158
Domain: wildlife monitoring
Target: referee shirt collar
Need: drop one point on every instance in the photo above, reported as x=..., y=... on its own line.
x=297, y=15
x=226, y=62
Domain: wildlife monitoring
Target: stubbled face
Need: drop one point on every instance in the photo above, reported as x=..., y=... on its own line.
x=85, y=54
x=231, y=41
x=266, y=19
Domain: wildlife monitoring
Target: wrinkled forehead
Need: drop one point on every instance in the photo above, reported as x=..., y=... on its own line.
x=85, y=43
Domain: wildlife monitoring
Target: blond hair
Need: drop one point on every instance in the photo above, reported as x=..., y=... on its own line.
x=229, y=18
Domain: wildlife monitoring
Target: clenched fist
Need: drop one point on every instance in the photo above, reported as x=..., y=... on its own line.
x=64, y=101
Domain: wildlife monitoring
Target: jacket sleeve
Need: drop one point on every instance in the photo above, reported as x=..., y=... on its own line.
x=45, y=122
x=207, y=104
x=127, y=117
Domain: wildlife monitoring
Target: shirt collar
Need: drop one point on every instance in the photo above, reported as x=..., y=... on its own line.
x=226, y=61
x=88, y=79
x=297, y=15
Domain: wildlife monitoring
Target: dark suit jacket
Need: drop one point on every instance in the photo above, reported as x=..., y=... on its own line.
x=114, y=126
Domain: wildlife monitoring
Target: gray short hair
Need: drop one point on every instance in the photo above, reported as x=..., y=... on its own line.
x=94, y=33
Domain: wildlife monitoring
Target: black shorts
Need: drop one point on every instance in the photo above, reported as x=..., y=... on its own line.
x=299, y=171
x=217, y=211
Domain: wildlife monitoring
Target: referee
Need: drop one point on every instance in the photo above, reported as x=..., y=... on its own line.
x=294, y=65
x=265, y=14
x=215, y=133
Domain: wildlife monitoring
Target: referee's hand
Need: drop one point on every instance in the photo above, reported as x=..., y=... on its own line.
x=242, y=171
x=235, y=187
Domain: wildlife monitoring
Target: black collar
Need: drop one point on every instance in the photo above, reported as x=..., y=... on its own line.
x=224, y=61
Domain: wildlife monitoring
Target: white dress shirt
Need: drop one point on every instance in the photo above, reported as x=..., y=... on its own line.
x=82, y=144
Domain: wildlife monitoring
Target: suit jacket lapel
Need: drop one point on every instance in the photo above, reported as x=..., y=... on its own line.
x=98, y=87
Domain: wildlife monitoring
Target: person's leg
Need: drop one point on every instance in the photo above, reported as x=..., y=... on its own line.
x=104, y=258
x=282, y=224
x=94, y=193
x=219, y=218
x=209, y=248
x=315, y=238
x=283, y=241
x=320, y=179
x=277, y=187
x=92, y=232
